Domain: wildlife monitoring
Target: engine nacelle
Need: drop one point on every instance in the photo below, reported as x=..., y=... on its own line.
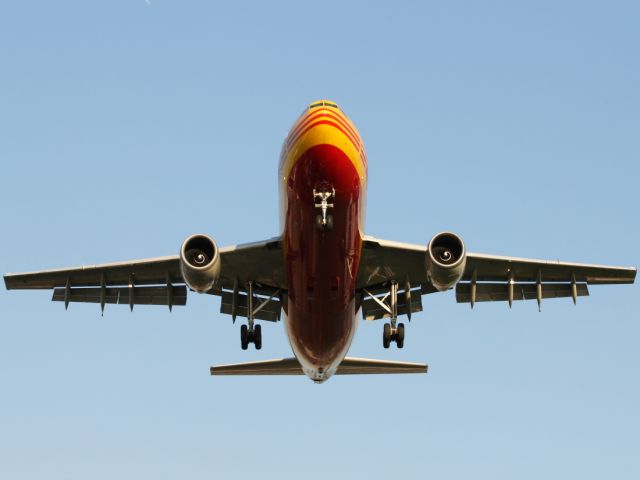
x=200, y=262
x=445, y=260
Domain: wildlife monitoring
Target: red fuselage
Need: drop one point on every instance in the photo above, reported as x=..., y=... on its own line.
x=323, y=153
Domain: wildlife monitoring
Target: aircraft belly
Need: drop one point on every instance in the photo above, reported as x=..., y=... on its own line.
x=322, y=264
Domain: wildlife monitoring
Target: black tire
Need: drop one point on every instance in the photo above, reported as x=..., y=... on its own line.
x=386, y=335
x=257, y=337
x=319, y=225
x=400, y=336
x=244, y=337
x=329, y=225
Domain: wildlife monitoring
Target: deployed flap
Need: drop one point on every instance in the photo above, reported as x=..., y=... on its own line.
x=375, y=307
x=265, y=308
x=124, y=295
x=496, y=292
x=291, y=366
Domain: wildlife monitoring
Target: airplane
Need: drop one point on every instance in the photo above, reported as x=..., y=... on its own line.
x=322, y=271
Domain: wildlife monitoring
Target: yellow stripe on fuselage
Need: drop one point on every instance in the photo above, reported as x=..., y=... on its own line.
x=342, y=135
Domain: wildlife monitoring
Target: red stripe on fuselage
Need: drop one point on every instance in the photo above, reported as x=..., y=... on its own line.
x=295, y=133
x=322, y=265
x=333, y=124
x=310, y=116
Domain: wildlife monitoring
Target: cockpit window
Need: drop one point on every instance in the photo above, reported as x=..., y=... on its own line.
x=324, y=104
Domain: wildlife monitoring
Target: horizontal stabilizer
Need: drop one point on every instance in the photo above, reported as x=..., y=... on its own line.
x=291, y=366
x=355, y=366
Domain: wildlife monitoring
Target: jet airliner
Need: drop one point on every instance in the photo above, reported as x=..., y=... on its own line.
x=321, y=271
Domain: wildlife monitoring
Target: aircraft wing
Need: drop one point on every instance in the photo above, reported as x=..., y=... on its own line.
x=158, y=281
x=485, y=277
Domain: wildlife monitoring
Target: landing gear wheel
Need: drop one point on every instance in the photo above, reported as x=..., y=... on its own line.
x=386, y=335
x=324, y=226
x=400, y=335
x=329, y=224
x=244, y=337
x=257, y=337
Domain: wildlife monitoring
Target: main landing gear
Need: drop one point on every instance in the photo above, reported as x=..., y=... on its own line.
x=393, y=332
x=250, y=333
x=324, y=221
x=250, y=336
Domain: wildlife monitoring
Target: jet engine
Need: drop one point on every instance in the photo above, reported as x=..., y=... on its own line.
x=200, y=262
x=445, y=260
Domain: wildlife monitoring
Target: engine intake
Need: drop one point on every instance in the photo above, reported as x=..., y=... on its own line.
x=445, y=260
x=200, y=262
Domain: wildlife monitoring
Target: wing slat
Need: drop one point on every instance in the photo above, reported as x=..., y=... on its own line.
x=259, y=262
x=491, y=268
x=152, y=271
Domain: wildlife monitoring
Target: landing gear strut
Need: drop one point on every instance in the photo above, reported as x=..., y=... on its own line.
x=393, y=332
x=250, y=333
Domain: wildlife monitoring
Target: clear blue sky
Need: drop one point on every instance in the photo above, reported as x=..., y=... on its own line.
x=125, y=127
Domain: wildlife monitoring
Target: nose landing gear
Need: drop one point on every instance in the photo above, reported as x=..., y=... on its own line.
x=324, y=221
